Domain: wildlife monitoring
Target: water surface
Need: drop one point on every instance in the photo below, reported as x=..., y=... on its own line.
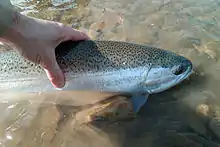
x=185, y=116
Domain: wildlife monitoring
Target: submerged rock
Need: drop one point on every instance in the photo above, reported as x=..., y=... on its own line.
x=189, y=42
x=118, y=108
x=215, y=126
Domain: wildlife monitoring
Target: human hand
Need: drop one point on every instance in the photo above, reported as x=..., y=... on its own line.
x=37, y=39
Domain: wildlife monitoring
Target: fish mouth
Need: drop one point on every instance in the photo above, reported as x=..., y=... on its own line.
x=186, y=74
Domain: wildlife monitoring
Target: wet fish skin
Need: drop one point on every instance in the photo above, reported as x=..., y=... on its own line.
x=108, y=66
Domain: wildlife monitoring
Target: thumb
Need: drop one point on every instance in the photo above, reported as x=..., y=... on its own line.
x=73, y=34
x=53, y=71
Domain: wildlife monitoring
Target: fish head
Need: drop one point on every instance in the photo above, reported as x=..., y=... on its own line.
x=167, y=71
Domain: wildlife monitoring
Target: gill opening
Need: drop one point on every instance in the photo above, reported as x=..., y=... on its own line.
x=145, y=78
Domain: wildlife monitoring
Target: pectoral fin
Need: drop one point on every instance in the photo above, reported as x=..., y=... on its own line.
x=138, y=100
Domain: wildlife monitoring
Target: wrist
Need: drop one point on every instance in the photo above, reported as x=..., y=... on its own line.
x=13, y=32
x=6, y=19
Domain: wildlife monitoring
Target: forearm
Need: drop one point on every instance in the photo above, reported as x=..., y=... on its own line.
x=6, y=16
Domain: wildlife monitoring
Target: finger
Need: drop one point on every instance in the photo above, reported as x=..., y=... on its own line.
x=53, y=71
x=72, y=34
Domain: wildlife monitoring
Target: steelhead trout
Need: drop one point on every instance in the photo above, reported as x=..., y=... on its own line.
x=106, y=66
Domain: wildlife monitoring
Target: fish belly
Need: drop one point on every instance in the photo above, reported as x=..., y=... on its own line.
x=123, y=81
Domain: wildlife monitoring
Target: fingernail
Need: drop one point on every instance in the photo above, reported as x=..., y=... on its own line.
x=58, y=88
x=57, y=81
x=59, y=84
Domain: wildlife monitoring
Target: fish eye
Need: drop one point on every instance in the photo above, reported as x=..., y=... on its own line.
x=100, y=118
x=179, y=70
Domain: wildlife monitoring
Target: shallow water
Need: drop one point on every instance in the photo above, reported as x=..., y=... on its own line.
x=186, y=115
